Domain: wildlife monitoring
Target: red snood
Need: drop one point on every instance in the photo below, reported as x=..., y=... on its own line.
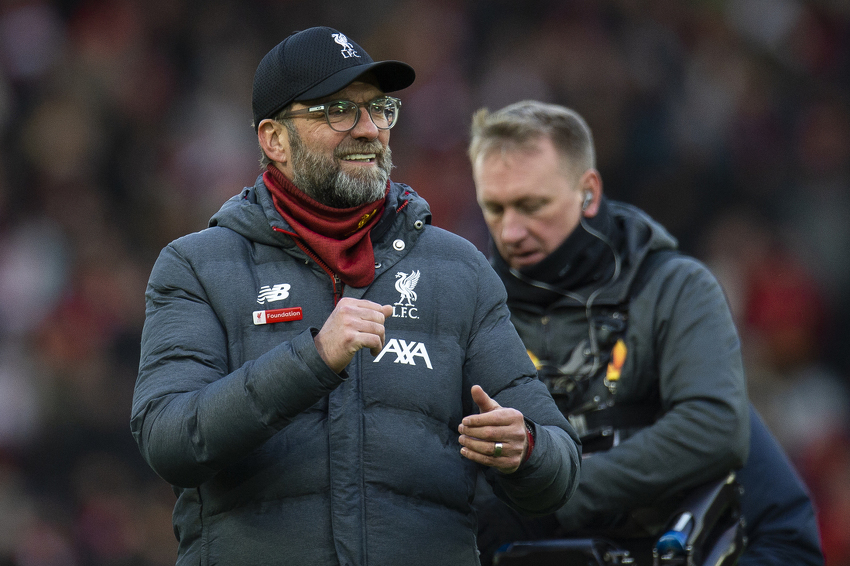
x=338, y=236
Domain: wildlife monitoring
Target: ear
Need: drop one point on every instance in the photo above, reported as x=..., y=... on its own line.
x=591, y=182
x=274, y=140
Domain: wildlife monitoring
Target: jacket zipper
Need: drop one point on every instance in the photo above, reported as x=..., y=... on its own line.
x=335, y=280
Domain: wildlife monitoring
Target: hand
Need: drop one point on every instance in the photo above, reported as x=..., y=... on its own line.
x=353, y=324
x=480, y=433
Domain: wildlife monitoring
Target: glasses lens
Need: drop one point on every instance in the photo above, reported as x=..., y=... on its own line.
x=384, y=112
x=342, y=115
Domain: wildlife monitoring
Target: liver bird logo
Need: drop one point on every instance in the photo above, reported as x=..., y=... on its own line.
x=405, y=284
x=347, y=47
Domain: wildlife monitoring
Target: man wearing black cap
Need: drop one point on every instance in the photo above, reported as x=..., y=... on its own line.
x=323, y=373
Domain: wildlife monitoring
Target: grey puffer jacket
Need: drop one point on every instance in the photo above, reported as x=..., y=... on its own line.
x=682, y=367
x=276, y=459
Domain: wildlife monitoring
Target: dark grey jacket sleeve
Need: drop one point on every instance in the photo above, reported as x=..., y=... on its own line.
x=686, y=333
x=192, y=414
x=497, y=361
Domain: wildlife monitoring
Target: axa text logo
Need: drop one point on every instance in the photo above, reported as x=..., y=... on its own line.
x=274, y=293
x=405, y=352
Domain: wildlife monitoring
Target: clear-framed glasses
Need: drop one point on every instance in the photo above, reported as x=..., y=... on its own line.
x=343, y=115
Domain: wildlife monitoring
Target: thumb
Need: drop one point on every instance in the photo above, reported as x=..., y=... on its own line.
x=484, y=402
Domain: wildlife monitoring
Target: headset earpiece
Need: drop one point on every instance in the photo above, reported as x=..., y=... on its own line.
x=588, y=198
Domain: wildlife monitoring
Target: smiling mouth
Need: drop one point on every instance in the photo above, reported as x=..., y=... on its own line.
x=360, y=157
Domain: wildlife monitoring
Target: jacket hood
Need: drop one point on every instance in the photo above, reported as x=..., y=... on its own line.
x=642, y=235
x=252, y=214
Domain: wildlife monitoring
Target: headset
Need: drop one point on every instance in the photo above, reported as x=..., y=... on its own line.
x=588, y=303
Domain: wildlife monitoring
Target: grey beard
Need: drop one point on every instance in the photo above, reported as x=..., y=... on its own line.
x=324, y=181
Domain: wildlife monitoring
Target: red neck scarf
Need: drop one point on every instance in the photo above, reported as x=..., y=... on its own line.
x=338, y=236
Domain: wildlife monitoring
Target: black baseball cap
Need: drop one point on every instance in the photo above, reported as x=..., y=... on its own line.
x=314, y=63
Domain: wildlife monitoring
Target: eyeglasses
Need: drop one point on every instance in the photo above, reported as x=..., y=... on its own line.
x=343, y=115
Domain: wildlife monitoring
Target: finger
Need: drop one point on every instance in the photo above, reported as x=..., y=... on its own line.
x=387, y=312
x=484, y=402
x=370, y=335
x=485, y=447
x=364, y=332
x=370, y=311
x=363, y=324
x=473, y=424
x=506, y=463
x=363, y=309
x=360, y=303
x=485, y=432
x=381, y=332
x=375, y=350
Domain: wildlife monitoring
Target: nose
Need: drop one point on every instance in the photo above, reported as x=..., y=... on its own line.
x=364, y=127
x=513, y=229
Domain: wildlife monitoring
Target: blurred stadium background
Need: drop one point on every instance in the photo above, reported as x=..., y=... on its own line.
x=126, y=123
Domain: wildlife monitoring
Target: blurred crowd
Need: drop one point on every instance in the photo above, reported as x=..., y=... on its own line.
x=126, y=123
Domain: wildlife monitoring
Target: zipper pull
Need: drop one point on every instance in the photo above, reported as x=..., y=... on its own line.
x=338, y=287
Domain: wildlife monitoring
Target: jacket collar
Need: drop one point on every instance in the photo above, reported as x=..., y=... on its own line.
x=252, y=214
x=584, y=264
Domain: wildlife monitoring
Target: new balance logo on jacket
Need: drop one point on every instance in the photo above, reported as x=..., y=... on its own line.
x=276, y=293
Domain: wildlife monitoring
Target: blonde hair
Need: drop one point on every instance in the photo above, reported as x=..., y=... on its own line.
x=522, y=124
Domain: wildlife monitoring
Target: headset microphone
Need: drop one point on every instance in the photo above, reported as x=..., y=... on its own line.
x=587, y=303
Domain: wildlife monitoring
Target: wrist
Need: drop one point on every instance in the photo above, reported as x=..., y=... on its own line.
x=530, y=436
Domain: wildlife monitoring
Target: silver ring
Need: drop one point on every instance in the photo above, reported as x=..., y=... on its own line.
x=497, y=450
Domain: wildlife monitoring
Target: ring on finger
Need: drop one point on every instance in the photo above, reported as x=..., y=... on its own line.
x=497, y=449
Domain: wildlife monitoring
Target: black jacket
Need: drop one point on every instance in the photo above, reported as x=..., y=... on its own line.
x=682, y=366
x=781, y=528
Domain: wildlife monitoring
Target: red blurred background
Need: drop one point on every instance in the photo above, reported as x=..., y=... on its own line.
x=125, y=124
